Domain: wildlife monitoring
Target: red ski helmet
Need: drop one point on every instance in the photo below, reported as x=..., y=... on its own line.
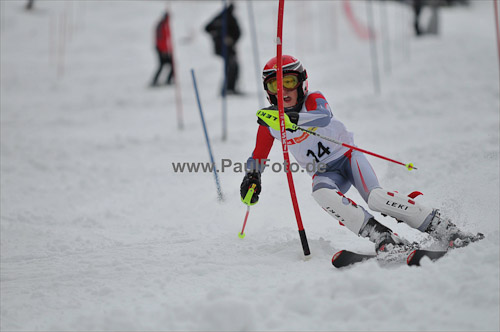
x=290, y=65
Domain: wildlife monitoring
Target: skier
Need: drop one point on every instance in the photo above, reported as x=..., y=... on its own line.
x=344, y=167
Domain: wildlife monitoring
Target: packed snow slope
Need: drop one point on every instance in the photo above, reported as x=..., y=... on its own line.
x=99, y=233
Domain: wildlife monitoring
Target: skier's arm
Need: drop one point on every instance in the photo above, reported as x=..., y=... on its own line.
x=263, y=146
x=256, y=163
x=318, y=112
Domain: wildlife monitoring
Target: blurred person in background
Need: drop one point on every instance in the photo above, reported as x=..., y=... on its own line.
x=433, y=24
x=417, y=10
x=30, y=4
x=163, y=43
x=225, y=32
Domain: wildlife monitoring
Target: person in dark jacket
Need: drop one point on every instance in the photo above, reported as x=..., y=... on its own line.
x=417, y=9
x=225, y=33
x=30, y=4
x=433, y=23
x=163, y=42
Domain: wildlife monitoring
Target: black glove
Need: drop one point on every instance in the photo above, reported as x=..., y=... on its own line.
x=249, y=179
x=261, y=122
x=294, y=118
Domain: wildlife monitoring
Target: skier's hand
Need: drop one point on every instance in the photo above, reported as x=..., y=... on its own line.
x=250, y=179
x=262, y=122
x=270, y=118
x=294, y=118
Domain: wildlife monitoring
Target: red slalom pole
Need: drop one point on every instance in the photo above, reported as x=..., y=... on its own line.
x=279, y=77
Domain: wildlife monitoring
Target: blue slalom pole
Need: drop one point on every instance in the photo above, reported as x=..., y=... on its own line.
x=219, y=191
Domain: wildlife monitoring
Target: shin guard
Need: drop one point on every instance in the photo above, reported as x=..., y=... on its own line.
x=342, y=208
x=401, y=207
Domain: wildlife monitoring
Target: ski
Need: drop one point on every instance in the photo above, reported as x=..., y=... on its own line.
x=416, y=255
x=411, y=257
x=345, y=258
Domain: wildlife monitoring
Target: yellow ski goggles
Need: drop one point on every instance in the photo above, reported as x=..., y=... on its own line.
x=290, y=82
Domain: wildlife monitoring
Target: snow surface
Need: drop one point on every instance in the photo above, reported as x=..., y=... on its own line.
x=99, y=233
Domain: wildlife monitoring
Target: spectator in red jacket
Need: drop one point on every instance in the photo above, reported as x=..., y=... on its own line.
x=164, y=49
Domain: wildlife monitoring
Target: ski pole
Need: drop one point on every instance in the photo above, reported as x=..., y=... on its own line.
x=248, y=201
x=409, y=166
x=241, y=235
x=270, y=117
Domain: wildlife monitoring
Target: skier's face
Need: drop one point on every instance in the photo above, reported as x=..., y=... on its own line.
x=290, y=84
x=290, y=97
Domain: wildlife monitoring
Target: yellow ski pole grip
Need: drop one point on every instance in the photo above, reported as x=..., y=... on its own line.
x=248, y=197
x=271, y=118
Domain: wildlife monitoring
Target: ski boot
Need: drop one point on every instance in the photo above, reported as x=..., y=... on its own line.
x=388, y=245
x=443, y=230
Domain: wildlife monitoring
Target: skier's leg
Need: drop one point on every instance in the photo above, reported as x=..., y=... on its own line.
x=353, y=216
x=406, y=209
x=401, y=207
x=327, y=191
x=390, y=203
x=421, y=217
x=328, y=195
x=361, y=174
